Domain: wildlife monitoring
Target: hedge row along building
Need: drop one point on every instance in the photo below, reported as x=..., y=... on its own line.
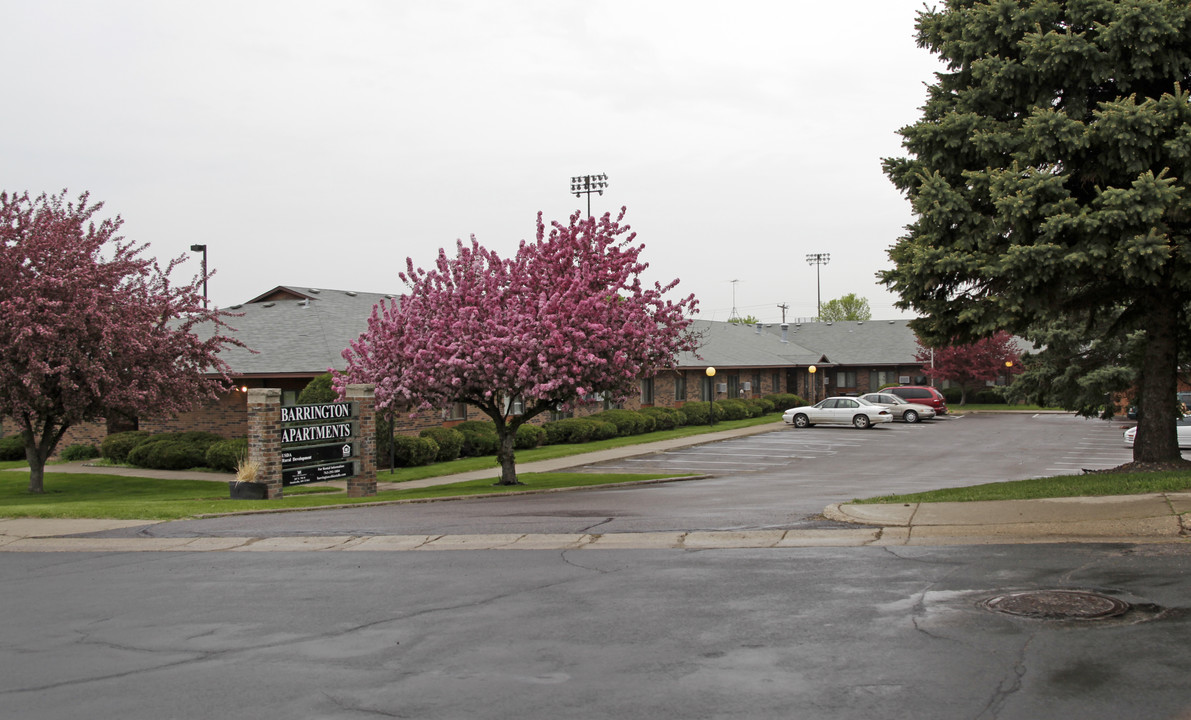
x=295, y=334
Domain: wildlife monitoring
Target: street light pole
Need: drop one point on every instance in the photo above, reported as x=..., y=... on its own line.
x=818, y=259
x=203, y=250
x=588, y=184
x=710, y=395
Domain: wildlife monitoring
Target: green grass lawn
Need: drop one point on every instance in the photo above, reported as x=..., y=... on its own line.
x=550, y=452
x=1091, y=485
x=70, y=495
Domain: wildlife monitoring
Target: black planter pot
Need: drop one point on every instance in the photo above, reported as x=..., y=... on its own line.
x=248, y=490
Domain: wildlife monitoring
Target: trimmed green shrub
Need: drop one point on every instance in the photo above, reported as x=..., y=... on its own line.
x=569, y=430
x=529, y=437
x=479, y=438
x=173, y=451
x=225, y=455
x=79, y=451
x=784, y=401
x=115, y=447
x=476, y=426
x=764, y=405
x=601, y=429
x=12, y=448
x=413, y=451
x=732, y=410
x=318, y=390
x=664, y=418
x=450, y=442
x=168, y=455
x=627, y=422
x=952, y=395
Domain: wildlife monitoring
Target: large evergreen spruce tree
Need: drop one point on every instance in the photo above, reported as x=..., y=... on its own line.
x=1049, y=180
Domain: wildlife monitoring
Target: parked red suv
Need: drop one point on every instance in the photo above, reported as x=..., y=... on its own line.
x=922, y=395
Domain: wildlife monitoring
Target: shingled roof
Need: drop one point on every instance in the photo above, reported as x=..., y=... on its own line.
x=297, y=331
x=302, y=332
x=869, y=342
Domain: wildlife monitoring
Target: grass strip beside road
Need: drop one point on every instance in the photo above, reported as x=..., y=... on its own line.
x=70, y=495
x=1089, y=485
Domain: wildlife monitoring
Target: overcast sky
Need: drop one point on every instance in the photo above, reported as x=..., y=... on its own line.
x=319, y=144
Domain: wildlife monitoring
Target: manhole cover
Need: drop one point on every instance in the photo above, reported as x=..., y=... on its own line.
x=1057, y=605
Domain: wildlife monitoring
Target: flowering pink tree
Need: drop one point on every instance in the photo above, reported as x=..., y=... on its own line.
x=89, y=329
x=974, y=365
x=566, y=317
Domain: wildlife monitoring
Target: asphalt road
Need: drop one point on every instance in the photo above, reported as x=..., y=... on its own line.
x=820, y=633
x=777, y=480
x=817, y=633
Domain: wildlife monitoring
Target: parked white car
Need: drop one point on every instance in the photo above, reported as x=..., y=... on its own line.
x=903, y=410
x=1183, y=428
x=838, y=411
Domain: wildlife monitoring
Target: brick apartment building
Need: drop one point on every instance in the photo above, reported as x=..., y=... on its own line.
x=294, y=334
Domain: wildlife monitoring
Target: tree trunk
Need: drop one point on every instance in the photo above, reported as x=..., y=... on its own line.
x=36, y=468
x=38, y=450
x=1157, y=441
x=504, y=453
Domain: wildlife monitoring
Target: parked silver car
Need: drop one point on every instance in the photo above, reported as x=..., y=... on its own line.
x=838, y=411
x=903, y=410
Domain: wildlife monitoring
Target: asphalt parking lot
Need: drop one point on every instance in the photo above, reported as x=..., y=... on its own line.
x=776, y=480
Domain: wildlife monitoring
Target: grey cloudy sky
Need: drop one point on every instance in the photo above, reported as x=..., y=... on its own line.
x=321, y=143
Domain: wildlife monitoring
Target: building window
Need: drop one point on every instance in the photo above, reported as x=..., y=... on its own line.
x=878, y=379
x=289, y=397
x=777, y=382
x=680, y=387
x=515, y=407
x=733, y=386
x=457, y=411
x=705, y=389
x=845, y=379
x=557, y=414
x=756, y=388
x=647, y=391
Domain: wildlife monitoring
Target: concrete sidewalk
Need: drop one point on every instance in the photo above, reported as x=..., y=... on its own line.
x=1121, y=518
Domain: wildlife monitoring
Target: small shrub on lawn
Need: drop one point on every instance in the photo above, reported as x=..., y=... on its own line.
x=529, y=437
x=627, y=422
x=12, y=448
x=764, y=405
x=115, y=447
x=952, y=395
x=450, y=442
x=318, y=390
x=79, y=451
x=664, y=418
x=413, y=451
x=732, y=410
x=226, y=455
x=479, y=438
x=784, y=401
x=569, y=430
x=173, y=451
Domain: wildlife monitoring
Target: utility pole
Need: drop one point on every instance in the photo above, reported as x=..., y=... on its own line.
x=784, y=307
x=734, y=315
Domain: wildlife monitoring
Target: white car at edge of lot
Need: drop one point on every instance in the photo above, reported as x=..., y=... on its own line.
x=852, y=411
x=1183, y=426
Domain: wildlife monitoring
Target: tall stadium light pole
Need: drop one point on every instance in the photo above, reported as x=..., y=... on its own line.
x=588, y=184
x=818, y=259
x=203, y=250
